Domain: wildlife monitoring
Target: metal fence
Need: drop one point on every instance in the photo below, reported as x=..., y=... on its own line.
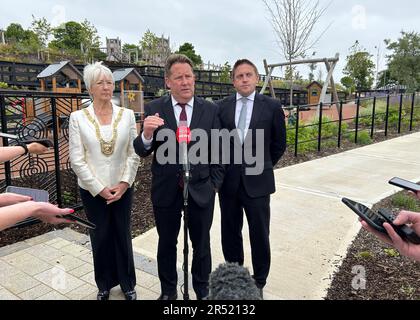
x=309, y=127
x=314, y=127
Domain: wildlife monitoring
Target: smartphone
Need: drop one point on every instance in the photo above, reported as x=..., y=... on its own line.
x=36, y=194
x=43, y=196
x=371, y=217
x=377, y=219
x=78, y=220
x=405, y=184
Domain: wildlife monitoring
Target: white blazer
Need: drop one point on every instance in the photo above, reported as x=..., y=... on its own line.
x=94, y=170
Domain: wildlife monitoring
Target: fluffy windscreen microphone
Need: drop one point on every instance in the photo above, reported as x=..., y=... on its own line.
x=230, y=281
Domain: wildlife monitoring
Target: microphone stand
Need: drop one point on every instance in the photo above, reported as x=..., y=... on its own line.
x=186, y=179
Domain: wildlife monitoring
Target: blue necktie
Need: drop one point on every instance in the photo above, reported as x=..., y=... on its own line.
x=242, y=119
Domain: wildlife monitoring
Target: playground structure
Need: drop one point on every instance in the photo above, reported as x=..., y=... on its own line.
x=130, y=88
x=330, y=64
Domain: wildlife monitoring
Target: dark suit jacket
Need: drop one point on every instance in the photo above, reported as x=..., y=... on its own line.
x=165, y=177
x=267, y=115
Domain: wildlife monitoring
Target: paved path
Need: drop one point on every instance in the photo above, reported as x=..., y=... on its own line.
x=310, y=232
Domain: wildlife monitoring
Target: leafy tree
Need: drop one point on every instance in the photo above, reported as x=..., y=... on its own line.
x=348, y=83
x=225, y=73
x=68, y=36
x=404, y=61
x=127, y=47
x=188, y=49
x=17, y=35
x=360, y=67
x=385, y=78
x=149, y=43
x=42, y=28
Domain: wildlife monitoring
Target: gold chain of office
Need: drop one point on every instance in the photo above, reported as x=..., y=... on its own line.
x=107, y=147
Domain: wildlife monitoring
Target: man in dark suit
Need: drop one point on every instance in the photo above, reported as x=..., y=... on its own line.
x=162, y=116
x=249, y=112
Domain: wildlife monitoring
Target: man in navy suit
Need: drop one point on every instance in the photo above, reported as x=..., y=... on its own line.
x=249, y=112
x=164, y=115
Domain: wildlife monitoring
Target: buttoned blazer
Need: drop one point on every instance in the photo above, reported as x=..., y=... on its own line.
x=94, y=170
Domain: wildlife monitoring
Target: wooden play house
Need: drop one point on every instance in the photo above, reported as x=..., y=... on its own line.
x=314, y=92
x=60, y=77
x=64, y=77
x=129, y=83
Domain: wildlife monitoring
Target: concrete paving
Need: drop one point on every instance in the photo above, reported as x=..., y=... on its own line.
x=311, y=231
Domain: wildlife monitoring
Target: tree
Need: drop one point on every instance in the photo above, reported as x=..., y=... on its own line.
x=69, y=35
x=81, y=37
x=188, y=50
x=225, y=73
x=312, y=68
x=42, y=28
x=293, y=22
x=385, y=78
x=404, y=61
x=360, y=67
x=348, y=83
x=149, y=43
x=17, y=35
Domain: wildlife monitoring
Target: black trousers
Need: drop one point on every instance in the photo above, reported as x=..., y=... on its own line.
x=168, y=223
x=111, y=240
x=257, y=212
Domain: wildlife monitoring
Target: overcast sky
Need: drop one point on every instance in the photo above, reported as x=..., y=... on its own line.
x=225, y=30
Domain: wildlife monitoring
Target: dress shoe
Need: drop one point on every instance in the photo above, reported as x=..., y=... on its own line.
x=168, y=297
x=130, y=295
x=103, y=295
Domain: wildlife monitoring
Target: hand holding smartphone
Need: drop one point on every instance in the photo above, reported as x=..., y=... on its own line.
x=405, y=184
x=43, y=196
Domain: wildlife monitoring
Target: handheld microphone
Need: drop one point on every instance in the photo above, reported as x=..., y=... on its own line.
x=183, y=136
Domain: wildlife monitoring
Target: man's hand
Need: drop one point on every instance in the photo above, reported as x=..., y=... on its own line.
x=117, y=192
x=150, y=124
x=8, y=198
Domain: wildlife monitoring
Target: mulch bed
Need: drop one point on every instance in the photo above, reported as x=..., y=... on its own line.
x=387, y=277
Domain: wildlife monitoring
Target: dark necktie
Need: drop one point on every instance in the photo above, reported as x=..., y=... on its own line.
x=183, y=120
x=183, y=115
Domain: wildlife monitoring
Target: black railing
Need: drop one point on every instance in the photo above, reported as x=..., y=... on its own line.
x=312, y=127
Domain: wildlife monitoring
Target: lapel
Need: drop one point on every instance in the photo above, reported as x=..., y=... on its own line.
x=231, y=103
x=169, y=114
x=197, y=113
x=256, y=111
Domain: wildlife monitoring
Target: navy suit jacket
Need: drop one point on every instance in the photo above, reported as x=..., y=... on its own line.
x=267, y=115
x=205, y=177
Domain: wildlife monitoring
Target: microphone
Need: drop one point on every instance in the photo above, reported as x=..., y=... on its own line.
x=230, y=281
x=183, y=136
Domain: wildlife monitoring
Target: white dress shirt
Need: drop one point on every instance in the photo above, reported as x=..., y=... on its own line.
x=94, y=170
x=250, y=108
x=177, y=111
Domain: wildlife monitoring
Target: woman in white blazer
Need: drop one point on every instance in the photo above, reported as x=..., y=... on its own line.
x=102, y=156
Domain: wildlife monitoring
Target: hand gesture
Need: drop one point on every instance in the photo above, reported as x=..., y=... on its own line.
x=150, y=124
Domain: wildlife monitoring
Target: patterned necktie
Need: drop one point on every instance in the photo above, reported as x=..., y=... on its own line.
x=183, y=115
x=242, y=119
x=183, y=120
